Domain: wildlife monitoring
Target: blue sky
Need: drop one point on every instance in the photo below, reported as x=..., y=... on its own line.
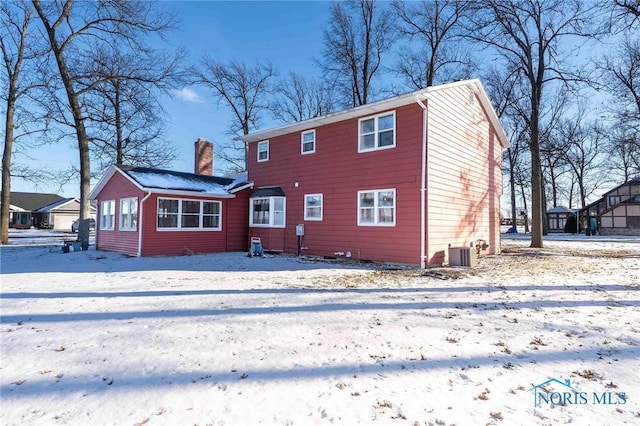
x=287, y=33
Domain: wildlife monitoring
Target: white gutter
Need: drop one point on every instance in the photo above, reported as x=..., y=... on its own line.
x=423, y=185
x=140, y=211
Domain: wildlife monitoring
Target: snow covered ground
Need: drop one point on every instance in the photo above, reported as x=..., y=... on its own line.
x=98, y=338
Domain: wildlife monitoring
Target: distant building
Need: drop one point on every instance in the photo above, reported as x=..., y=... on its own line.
x=618, y=211
x=39, y=210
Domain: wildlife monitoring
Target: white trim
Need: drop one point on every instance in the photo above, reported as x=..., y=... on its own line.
x=302, y=142
x=258, y=159
x=376, y=208
x=314, y=219
x=387, y=104
x=140, y=216
x=376, y=131
x=423, y=186
x=179, y=215
x=240, y=188
x=176, y=192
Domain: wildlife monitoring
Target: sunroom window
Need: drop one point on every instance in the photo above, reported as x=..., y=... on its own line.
x=189, y=215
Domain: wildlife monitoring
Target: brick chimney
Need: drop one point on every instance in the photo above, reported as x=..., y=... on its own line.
x=203, y=162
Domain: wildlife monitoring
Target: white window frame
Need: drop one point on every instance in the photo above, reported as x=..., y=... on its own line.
x=272, y=212
x=302, y=141
x=130, y=214
x=179, y=215
x=263, y=143
x=306, y=207
x=108, y=207
x=376, y=208
x=376, y=132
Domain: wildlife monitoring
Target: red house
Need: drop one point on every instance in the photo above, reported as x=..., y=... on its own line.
x=399, y=180
x=151, y=212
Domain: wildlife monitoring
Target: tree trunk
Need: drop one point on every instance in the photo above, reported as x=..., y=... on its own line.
x=512, y=184
x=6, y=172
x=81, y=131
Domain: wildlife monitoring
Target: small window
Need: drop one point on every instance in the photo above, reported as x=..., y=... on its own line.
x=377, y=207
x=263, y=151
x=308, y=142
x=128, y=214
x=614, y=200
x=267, y=212
x=377, y=132
x=107, y=214
x=313, y=207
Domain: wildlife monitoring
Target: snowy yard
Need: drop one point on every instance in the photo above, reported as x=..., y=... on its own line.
x=98, y=338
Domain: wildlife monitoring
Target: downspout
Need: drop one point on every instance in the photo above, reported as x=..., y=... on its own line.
x=140, y=220
x=423, y=186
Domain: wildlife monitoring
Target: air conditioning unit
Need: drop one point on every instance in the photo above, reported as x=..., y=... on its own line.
x=463, y=256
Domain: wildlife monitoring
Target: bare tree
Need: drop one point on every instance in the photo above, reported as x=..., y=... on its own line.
x=434, y=25
x=19, y=50
x=124, y=110
x=582, y=149
x=243, y=89
x=74, y=30
x=355, y=42
x=527, y=34
x=297, y=99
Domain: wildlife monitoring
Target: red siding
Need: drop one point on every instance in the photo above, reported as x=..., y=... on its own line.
x=232, y=237
x=121, y=241
x=338, y=171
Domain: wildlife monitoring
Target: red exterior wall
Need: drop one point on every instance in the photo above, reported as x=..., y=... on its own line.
x=338, y=171
x=464, y=184
x=232, y=237
x=125, y=242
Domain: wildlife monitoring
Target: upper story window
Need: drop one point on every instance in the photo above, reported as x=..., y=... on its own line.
x=377, y=207
x=128, y=214
x=377, y=132
x=267, y=212
x=263, y=151
x=313, y=207
x=107, y=214
x=308, y=142
x=614, y=200
x=189, y=215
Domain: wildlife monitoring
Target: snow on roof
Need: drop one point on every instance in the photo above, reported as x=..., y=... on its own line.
x=181, y=181
x=560, y=209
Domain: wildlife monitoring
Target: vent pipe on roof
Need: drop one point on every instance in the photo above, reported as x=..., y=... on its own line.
x=203, y=162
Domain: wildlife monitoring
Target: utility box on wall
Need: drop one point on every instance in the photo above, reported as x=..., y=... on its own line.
x=463, y=256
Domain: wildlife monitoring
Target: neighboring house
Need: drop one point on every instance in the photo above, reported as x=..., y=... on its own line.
x=398, y=180
x=557, y=218
x=29, y=209
x=618, y=211
x=151, y=212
